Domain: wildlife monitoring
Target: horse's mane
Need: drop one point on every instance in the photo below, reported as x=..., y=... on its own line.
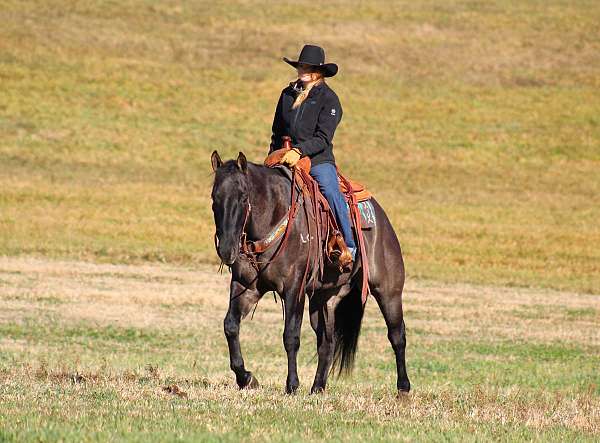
x=230, y=167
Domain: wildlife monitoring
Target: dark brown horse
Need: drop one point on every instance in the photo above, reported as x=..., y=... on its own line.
x=249, y=200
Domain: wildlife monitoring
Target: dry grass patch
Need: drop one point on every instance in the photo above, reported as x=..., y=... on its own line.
x=141, y=348
x=209, y=405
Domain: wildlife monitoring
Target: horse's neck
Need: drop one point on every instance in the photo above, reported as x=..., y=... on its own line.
x=269, y=199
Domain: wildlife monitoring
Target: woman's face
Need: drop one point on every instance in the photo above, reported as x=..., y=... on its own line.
x=304, y=72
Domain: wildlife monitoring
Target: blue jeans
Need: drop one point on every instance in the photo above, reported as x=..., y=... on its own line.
x=326, y=175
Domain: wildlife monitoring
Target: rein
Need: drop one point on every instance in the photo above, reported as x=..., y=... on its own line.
x=301, y=194
x=246, y=217
x=250, y=249
x=299, y=190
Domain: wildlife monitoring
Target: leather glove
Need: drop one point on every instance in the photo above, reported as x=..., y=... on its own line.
x=291, y=157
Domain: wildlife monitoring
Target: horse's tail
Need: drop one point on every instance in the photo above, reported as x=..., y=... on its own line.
x=348, y=319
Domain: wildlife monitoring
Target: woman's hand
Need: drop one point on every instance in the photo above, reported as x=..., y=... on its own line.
x=291, y=157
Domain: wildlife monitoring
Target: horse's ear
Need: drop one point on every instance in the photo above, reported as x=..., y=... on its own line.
x=215, y=160
x=242, y=162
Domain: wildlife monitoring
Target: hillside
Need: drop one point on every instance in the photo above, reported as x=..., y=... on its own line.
x=475, y=124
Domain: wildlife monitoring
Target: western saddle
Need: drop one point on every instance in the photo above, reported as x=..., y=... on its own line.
x=329, y=240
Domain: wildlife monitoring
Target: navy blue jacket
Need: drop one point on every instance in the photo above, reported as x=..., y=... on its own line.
x=311, y=126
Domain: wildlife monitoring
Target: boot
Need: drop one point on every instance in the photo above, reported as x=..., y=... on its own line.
x=345, y=259
x=338, y=252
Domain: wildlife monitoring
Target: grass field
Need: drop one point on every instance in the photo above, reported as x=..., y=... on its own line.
x=87, y=351
x=474, y=123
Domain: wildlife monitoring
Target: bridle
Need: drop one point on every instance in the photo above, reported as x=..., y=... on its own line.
x=251, y=249
x=243, y=234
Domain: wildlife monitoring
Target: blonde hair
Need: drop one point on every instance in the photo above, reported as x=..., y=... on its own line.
x=316, y=78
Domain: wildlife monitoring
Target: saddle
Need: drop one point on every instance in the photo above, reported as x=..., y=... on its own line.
x=327, y=233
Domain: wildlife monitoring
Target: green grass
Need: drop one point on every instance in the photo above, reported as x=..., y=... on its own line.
x=93, y=364
x=454, y=379
x=474, y=123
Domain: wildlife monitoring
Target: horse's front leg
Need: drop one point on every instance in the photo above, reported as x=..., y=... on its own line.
x=241, y=302
x=294, y=310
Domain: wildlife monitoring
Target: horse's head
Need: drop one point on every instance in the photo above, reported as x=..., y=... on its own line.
x=230, y=204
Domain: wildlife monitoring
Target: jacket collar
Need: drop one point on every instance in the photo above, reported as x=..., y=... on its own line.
x=317, y=89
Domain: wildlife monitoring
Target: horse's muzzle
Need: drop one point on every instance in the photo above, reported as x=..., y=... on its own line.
x=227, y=253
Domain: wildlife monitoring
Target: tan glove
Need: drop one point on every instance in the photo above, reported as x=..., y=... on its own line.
x=291, y=157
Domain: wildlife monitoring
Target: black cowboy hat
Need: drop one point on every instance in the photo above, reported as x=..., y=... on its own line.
x=314, y=56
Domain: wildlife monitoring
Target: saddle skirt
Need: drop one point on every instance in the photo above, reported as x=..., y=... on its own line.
x=349, y=186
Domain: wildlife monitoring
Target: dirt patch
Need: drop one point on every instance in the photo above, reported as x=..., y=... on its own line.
x=169, y=296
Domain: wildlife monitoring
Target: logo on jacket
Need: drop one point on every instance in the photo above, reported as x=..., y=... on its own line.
x=333, y=111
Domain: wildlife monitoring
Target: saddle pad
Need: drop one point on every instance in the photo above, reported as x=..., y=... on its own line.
x=368, y=219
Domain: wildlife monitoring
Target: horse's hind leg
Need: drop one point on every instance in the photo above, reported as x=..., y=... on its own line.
x=322, y=320
x=241, y=302
x=390, y=304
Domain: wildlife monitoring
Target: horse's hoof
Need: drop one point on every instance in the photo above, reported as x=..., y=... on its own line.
x=403, y=386
x=402, y=394
x=291, y=390
x=252, y=383
x=317, y=390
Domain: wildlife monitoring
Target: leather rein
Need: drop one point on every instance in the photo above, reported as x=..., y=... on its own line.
x=250, y=249
x=299, y=195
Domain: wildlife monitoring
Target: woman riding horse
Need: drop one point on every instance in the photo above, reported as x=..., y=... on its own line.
x=248, y=200
x=309, y=111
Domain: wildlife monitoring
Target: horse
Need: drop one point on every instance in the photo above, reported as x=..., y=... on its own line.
x=247, y=202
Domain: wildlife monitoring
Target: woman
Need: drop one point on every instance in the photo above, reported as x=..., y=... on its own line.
x=309, y=112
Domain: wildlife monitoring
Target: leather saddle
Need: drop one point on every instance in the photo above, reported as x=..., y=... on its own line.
x=328, y=232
